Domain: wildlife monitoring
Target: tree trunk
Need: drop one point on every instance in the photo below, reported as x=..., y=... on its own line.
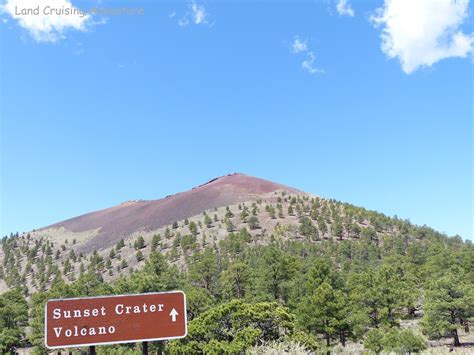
x=454, y=331
x=375, y=318
x=239, y=291
x=342, y=338
x=456, y=338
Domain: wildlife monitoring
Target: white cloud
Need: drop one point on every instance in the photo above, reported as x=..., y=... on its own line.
x=344, y=8
x=299, y=45
x=196, y=14
x=46, y=25
x=183, y=22
x=423, y=32
x=308, y=64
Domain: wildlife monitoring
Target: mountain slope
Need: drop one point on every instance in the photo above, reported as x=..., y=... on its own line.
x=239, y=237
x=111, y=224
x=118, y=240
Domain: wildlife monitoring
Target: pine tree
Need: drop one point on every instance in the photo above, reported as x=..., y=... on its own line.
x=244, y=214
x=13, y=320
x=449, y=303
x=123, y=264
x=155, y=242
x=207, y=221
x=72, y=255
x=120, y=244
x=139, y=243
x=193, y=229
x=230, y=227
x=236, y=279
x=336, y=229
x=324, y=312
x=280, y=211
x=306, y=227
x=322, y=225
x=253, y=222
x=82, y=268
x=205, y=270
x=139, y=256
x=228, y=213
x=254, y=210
x=291, y=212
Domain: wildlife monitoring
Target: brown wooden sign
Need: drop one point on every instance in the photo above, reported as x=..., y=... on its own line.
x=115, y=319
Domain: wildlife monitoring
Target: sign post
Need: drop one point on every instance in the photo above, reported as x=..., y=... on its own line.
x=106, y=320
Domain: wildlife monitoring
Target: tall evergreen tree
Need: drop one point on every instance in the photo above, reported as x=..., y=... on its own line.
x=449, y=303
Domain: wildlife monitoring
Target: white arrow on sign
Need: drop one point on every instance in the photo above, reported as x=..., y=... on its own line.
x=173, y=315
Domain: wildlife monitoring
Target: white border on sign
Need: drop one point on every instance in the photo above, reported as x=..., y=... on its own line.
x=119, y=341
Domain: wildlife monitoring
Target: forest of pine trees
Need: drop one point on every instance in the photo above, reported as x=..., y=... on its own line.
x=348, y=278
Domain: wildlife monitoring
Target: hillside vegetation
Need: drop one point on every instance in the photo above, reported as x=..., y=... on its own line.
x=284, y=271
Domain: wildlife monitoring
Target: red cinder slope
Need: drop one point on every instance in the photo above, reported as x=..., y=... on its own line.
x=122, y=220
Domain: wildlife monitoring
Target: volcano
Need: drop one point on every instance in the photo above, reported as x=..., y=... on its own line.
x=130, y=217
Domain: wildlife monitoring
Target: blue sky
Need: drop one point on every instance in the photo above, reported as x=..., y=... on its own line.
x=138, y=107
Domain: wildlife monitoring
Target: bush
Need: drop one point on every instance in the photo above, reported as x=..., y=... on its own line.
x=374, y=340
x=234, y=327
x=403, y=341
x=400, y=341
